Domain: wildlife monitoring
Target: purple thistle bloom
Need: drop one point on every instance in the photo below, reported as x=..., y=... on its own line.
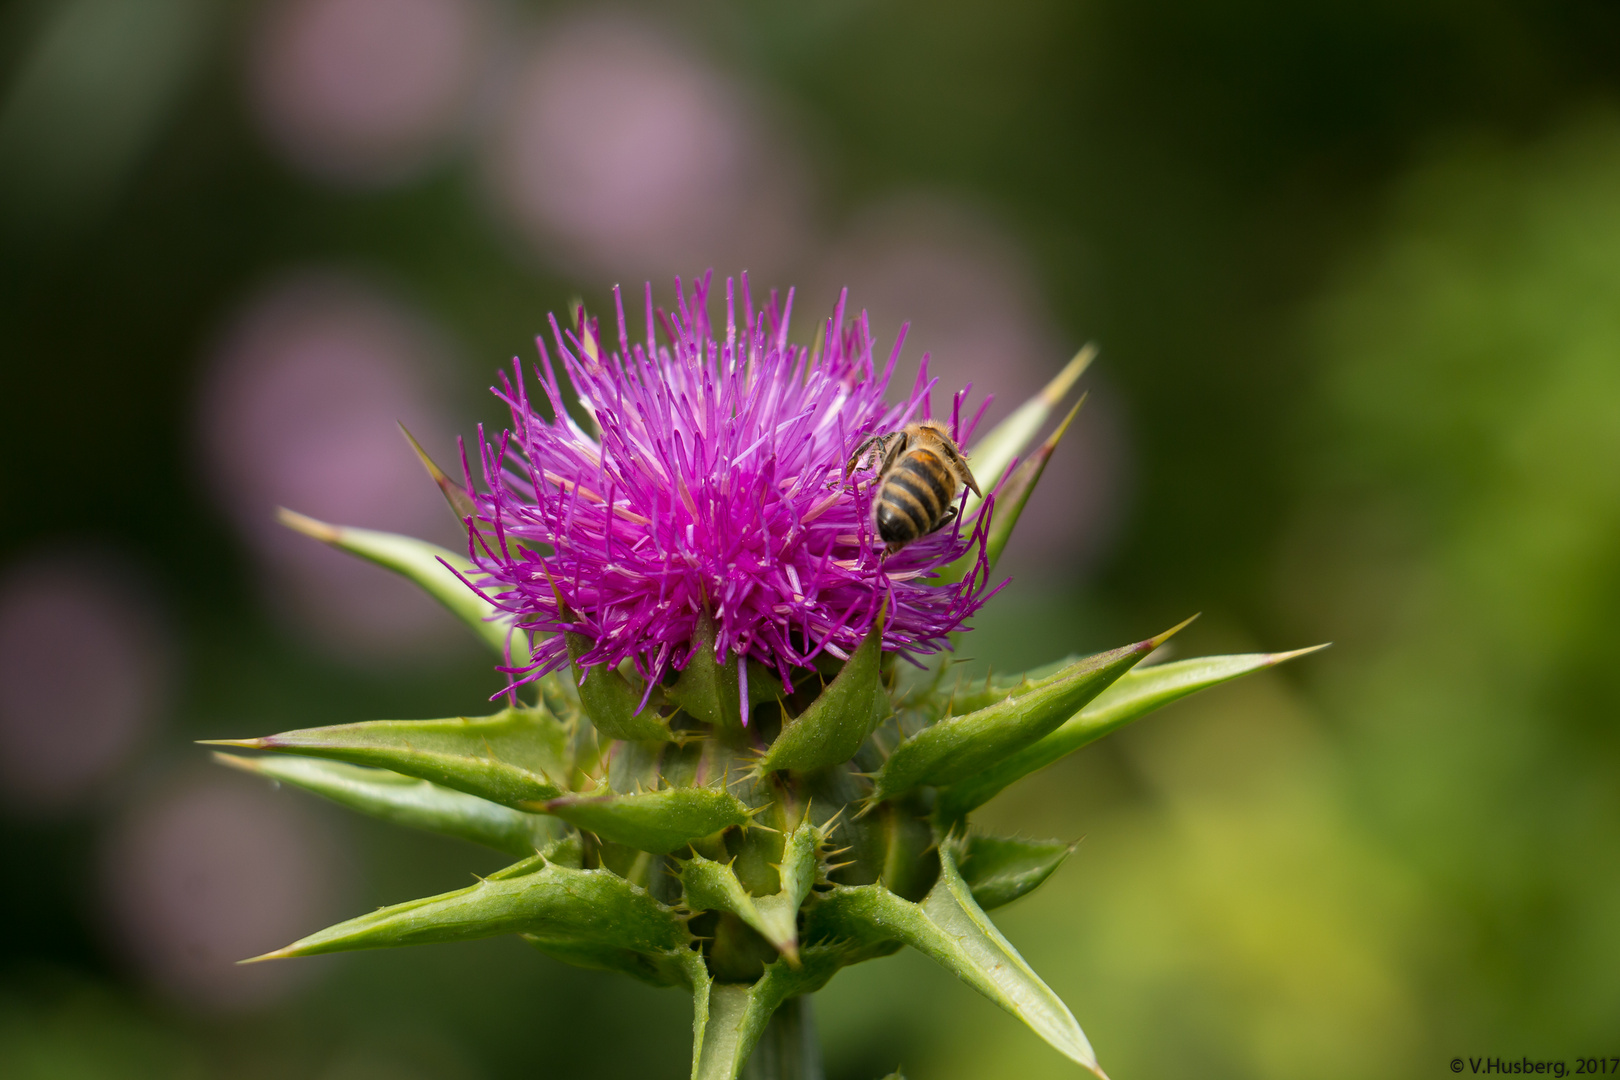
x=717, y=484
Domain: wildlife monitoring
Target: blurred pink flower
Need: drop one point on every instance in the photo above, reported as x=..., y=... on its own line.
x=84, y=675
x=973, y=303
x=212, y=870
x=302, y=409
x=365, y=91
x=621, y=153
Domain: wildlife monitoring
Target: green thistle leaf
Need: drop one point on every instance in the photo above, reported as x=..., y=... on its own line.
x=655, y=821
x=406, y=800
x=992, y=454
x=1136, y=694
x=968, y=696
x=552, y=902
x=960, y=746
x=1021, y=485
x=513, y=757
x=998, y=870
x=420, y=562
x=1011, y=501
x=833, y=727
x=949, y=927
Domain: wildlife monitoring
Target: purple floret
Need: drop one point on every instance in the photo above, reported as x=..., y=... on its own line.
x=717, y=484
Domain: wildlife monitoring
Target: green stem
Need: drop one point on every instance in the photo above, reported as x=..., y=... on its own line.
x=789, y=1049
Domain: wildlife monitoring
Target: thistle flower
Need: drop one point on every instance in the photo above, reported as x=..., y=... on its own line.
x=717, y=486
x=676, y=818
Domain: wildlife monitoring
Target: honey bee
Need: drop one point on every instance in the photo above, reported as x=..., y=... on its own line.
x=920, y=472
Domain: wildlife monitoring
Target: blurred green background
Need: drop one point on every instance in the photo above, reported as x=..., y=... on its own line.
x=1355, y=272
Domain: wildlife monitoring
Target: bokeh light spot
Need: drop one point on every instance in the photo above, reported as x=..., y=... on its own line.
x=364, y=91
x=302, y=409
x=214, y=869
x=84, y=675
x=618, y=151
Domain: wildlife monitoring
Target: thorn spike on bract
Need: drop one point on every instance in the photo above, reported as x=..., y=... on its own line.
x=1011, y=498
x=460, y=504
x=1056, y=437
x=1055, y=391
x=992, y=455
x=311, y=527
x=442, y=574
x=1284, y=657
x=1155, y=642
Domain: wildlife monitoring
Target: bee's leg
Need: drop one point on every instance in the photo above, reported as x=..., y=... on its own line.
x=960, y=465
x=945, y=519
x=860, y=450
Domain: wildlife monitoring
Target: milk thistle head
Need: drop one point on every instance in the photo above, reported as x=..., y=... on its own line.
x=714, y=484
x=726, y=761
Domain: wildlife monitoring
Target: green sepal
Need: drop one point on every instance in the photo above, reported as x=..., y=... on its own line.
x=537, y=897
x=909, y=866
x=833, y=727
x=514, y=757
x=756, y=853
x=992, y=454
x=960, y=746
x=656, y=821
x=1010, y=502
x=1136, y=694
x=971, y=696
x=612, y=704
x=950, y=928
x=407, y=800
x=714, y=886
x=707, y=689
x=707, y=885
x=798, y=873
x=419, y=561
x=1020, y=485
x=998, y=870
x=738, y=1012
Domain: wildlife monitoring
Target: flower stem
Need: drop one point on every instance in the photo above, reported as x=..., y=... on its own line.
x=790, y=1048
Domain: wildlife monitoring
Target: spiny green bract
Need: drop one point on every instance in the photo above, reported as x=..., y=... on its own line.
x=746, y=863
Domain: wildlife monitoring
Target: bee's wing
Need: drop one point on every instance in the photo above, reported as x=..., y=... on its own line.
x=959, y=463
x=894, y=445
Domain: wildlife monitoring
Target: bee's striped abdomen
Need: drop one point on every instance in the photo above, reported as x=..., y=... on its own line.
x=914, y=496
